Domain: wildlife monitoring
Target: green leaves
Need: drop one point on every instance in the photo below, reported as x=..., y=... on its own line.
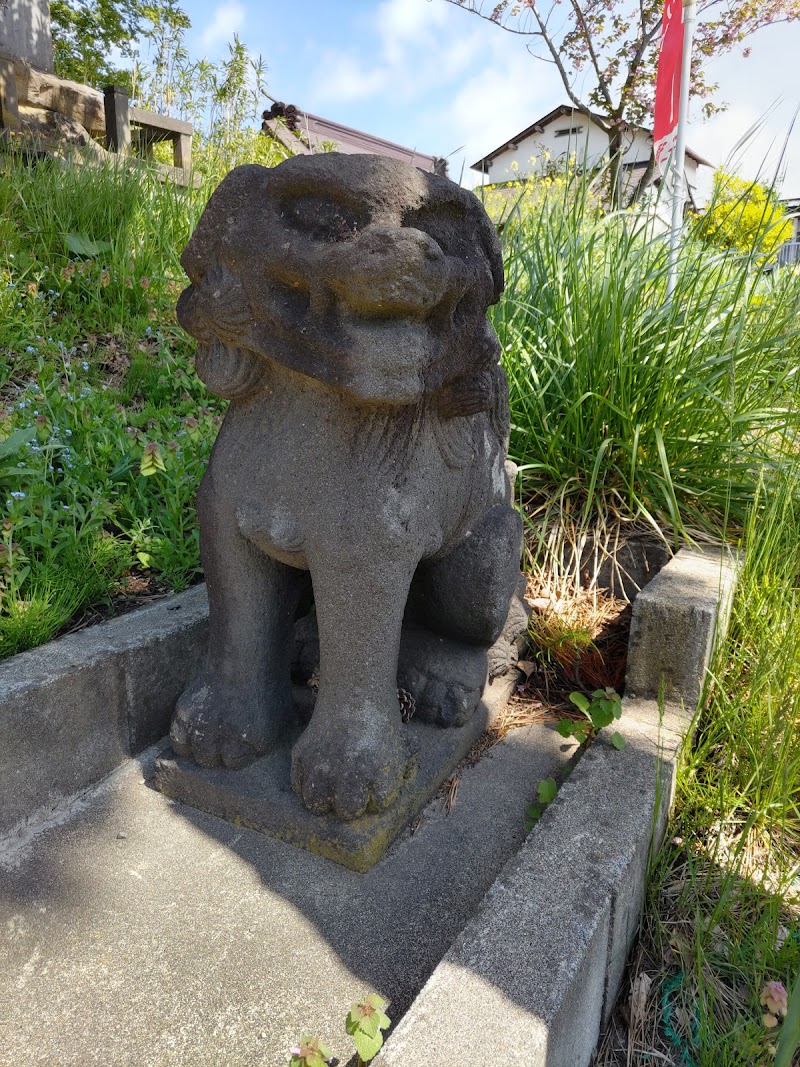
x=546, y=793
x=152, y=460
x=11, y=447
x=365, y=1023
x=547, y=790
x=604, y=707
x=309, y=1053
x=81, y=245
x=580, y=702
x=598, y=712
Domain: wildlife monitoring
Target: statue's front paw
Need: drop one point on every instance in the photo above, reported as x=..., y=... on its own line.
x=347, y=769
x=216, y=727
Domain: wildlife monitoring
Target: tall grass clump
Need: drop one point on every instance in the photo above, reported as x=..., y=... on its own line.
x=87, y=247
x=626, y=405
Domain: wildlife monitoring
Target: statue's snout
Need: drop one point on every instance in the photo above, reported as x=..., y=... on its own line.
x=388, y=272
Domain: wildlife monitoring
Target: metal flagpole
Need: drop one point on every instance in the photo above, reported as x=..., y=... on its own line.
x=679, y=157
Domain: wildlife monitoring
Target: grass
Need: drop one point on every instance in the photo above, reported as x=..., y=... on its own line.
x=104, y=428
x=96, y=375
x=627, y=408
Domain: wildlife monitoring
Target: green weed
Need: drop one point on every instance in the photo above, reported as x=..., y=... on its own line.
x=624, y=405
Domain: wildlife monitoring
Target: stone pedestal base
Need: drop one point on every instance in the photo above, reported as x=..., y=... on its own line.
x=260, y=796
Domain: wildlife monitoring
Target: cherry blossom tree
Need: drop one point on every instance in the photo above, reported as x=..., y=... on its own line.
x=615, y=43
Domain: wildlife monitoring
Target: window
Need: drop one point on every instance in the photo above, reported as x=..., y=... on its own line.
x=569, y=129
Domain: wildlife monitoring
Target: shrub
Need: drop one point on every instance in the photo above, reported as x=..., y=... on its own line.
x=745, y=217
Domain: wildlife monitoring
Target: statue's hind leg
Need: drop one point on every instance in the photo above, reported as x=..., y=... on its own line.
x=472, y=601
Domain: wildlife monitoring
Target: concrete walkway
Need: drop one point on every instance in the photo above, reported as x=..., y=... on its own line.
x=137, y=931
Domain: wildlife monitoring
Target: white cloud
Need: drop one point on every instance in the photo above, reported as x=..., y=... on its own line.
x=414, y=53
x=470, y=85
x=346, y=79
x=407, y=19
x=762, y=92
x=228, y=18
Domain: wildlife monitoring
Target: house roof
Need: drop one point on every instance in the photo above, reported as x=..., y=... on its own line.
x=314, y=133
x=539, y=127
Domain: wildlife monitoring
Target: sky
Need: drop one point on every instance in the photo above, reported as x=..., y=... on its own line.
x=433, y=77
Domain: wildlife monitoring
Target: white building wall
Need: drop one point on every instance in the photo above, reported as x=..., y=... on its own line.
x=540, y=150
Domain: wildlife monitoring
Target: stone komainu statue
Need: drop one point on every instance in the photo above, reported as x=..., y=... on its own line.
x=339, y=302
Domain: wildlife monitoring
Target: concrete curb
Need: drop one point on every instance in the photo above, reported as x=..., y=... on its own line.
x=72, y=710
x=534, y=975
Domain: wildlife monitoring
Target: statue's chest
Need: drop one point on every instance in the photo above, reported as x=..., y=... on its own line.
x=298, y=474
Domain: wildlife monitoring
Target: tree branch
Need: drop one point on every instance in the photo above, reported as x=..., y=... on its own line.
x=559, y=65
x=602, y=83
x=633, y=66
x=473, y=10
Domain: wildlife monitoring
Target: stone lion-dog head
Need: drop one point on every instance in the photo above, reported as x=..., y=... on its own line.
x=365, y=274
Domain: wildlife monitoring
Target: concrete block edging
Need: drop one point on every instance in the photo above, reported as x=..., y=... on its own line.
x=73, y=710
x=534, y=975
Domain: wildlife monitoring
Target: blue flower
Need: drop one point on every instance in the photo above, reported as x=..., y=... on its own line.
x=18, y=496
x=29, y=348
x=85, y=365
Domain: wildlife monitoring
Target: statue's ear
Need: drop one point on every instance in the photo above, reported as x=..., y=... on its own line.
x=492, y=248
x=244, y=185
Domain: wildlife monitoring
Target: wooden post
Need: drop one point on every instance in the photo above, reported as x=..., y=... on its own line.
x=9, y=104
x=118, y=123
x=182, y=150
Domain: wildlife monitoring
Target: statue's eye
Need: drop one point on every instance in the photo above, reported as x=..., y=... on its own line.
x=446, y=224
x=323, y=219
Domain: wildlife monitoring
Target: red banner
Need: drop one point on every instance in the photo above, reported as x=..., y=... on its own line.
x=668, y=83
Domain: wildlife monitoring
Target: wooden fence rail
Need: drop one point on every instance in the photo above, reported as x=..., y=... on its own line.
x=107, y=115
